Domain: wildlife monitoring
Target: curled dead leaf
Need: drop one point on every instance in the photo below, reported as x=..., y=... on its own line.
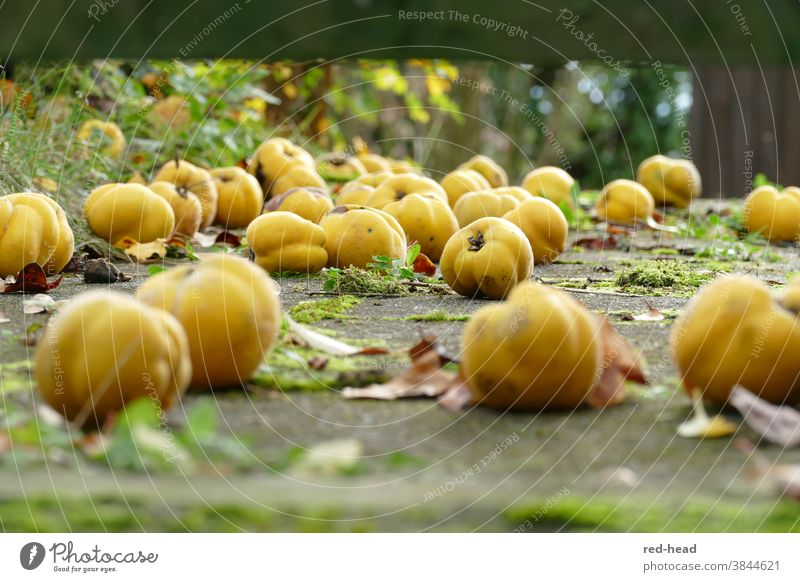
x=424, y=378
x=424, y=266
x=31, y=279
x=782, y=478
x=779, y=424
x=596, y=243
x=619, y=364
x=143, y=252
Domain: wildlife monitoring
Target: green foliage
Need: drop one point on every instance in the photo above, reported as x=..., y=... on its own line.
x=385, y=275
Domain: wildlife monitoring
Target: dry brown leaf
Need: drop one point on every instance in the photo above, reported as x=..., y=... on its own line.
x=782, y=478
x=652, y=314
x=143, y=252
x=596, y=243
x=425, y=377
x=779, y=424
x=317, y=362
x=619, y=364
x=31, y=279
x=424, y=266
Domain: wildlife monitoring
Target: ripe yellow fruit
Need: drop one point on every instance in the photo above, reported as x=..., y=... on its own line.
x=273, y=158
x=172, y=112
x=552, y=183
x=310, y=203
x=354, y=235
x=239, y=197
x=338, y=167
x=284, y=241
x=99, y=132
x=544, y=225
x=735, y=333
x=185, y=205
x=359, y=190
x=116, y=211
x=474, y=205
x=488, y=168
x=625, y=202
x=354, y=193
x=400, y=185
x=488, y=257
x=105, y=350
x=402, y=166
x=426, y=220
x=297, y=176
x=776, y=215
x=374, y=163
x=230, y=310
x=193, y=179
x=521, y=194
x=538, y=349
x=460, y=182
x=671, y=182
x=33, y=229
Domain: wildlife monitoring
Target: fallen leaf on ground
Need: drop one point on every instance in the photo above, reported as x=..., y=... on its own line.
x=213, y=236
x=228, y=238
x=596, y=243
x=652, y=314
x=317, y=362
x=620, y=476
x=619, y=364
x=305, y=336
x=329, y=458
x=143, y=252
x=39, y=303
x=783, y=479
x=425, y=377
x=423, y=265
x=779, y=424
x=700, y=425
x=31, y=279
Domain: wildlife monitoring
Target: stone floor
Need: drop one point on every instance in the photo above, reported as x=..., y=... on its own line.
x=421, y=467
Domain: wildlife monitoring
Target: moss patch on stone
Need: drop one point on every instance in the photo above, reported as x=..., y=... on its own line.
x=291, y=368
x=436, y=315
x=574, y=513
x=314, y=311
x=676, y=277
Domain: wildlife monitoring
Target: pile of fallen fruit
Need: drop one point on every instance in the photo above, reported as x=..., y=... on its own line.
x=209, y=324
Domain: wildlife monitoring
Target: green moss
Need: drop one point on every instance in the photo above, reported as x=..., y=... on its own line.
x=314, y=311
x=705, y=515
x=436, y=315
x=16, y=376
x=287, y=368
x=675, y=276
